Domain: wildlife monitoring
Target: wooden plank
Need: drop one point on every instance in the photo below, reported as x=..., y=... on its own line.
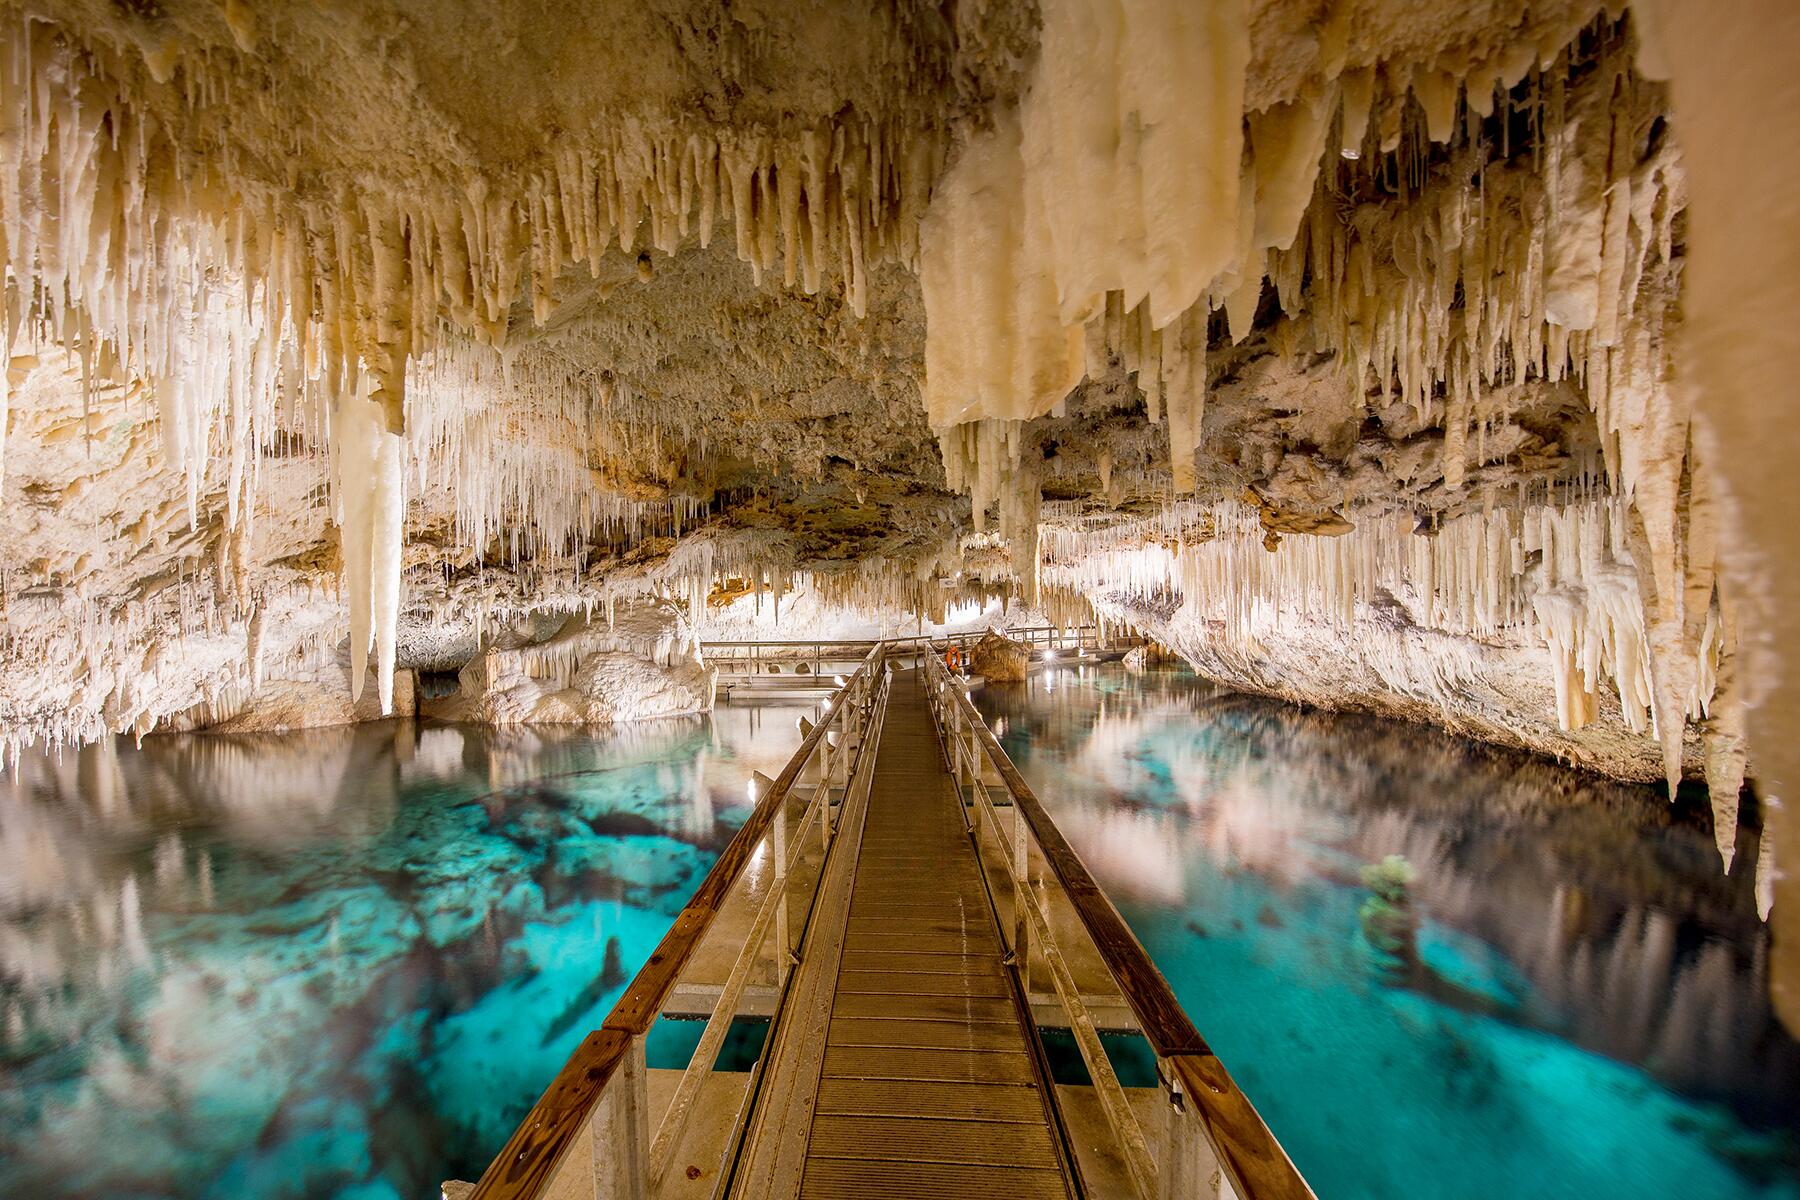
x=944, y=1008
x=932, y=1098
x=903, y=913
x=938, y=900
x=920, y=901
x=922, y=1062
x=916, y=963
x=894, y=983
x=863, y=1180
x=949, y=1035
x=971, y=945
x=963, y=927
x=943, y=885
x=929, y=1140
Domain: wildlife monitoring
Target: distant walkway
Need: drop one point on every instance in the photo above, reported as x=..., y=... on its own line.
x=884, y=907
x=928, y=1085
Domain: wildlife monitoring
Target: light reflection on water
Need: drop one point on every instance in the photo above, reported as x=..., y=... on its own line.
x=335, y=963
x=1580, y=1013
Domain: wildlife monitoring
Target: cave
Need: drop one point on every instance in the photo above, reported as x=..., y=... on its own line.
x=1210, y=582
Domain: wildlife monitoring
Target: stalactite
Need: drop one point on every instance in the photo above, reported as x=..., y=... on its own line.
x=1765, y=872
x=235, y=297
x=1490, y=273
x=1560, y=570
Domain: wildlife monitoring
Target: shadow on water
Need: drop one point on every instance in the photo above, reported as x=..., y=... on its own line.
x=1423, y=957
x=333, y=963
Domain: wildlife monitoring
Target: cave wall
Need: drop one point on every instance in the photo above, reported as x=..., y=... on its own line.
x=1409, y=357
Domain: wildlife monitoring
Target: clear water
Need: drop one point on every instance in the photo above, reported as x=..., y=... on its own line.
x=340, y=963
x=1581, y=1012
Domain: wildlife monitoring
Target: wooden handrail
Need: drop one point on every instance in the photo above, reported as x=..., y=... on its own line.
x=1249, y=1154
x=638, y=1007
x=1259, y=1168
x=532, y=1154
x=1164, y=1023
x=530, y=1157
x=894, y=643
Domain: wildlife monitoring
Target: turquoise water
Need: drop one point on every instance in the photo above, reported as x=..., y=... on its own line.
x=1575, y=1007
x=340, y=965
x=333, y=964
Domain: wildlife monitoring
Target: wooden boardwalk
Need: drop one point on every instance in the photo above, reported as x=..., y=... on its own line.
x=930, y=1084
x=902, y=1059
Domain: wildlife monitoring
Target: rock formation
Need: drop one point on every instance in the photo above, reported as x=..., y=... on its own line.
x=1350, y=349
x=1000, y=659
x=642, y=663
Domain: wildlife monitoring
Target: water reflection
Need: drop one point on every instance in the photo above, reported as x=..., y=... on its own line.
x=1569, y=992
x=338, y=963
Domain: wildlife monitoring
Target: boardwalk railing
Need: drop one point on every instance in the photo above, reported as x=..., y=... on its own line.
x=588, y=1137
x=823, y=656
x=1034, y=871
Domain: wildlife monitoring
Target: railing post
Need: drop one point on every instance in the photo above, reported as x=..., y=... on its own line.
x=619, y=1131
x=780, y=885
x=1188, y=1167
x=1021, y=897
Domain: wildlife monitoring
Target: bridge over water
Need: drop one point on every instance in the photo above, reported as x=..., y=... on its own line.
x=914, y=939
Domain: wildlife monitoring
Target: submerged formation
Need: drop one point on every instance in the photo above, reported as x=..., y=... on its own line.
x=1351, y=350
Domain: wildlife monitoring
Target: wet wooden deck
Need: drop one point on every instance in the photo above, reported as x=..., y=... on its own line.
x=902, y=1059
x=929, y=1083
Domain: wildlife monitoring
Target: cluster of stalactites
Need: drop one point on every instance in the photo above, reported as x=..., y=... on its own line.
x=713, y=567
x=1560, y=570
x=245, y=305
x=1493, y=273
x=1154, y=201
x=188, y=644
x=508, y=437
x=151, y=266
x=1129, y=193
x=984, y=459
x=1401, y=230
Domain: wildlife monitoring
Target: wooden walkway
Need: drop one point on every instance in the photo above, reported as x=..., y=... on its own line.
x=930, y=1084
x=902, y=1059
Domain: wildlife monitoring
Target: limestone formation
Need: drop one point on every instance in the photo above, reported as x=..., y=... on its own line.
x=1408, y=358
x=1000, y=659
x=644, y=663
